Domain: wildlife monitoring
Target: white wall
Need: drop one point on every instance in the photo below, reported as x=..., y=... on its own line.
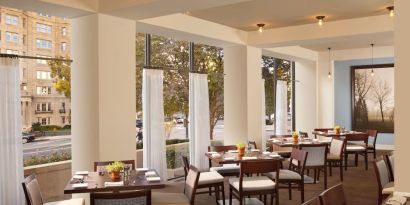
x=305, y=95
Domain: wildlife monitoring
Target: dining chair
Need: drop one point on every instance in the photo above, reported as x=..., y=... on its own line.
x=99, y=166
x=303, y=134
x=255, y=185
x=188, y=197
x=252, y=144
x=335, y=195
x=294, y=174
x=335, y=156
x=322, y=130
x=141, y=197
x=385, y=186
x=389, y=158
x=356, y=144
x=225, y=169
x=313, y=201
x=371, y=148
x=33, y=195
x=316, y=159
x=208, y=180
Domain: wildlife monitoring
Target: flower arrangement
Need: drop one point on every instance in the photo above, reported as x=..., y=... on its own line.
x=295, y=137
x=241, y=148
x=115, y=168
x=240, y=145
x=337, y=129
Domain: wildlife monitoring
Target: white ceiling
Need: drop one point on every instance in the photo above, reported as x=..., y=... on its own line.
x=281, y=13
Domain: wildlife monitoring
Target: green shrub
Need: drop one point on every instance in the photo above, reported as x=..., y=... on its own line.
x=54, y=157
x=176, y=141
x=171, y=158
x=139, y=145
x=67, y=127
x=36, y=126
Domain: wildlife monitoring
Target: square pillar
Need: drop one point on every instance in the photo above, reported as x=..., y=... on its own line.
x=243, y=94
x=103, y=90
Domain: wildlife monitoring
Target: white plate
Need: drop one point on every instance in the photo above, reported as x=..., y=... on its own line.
x=142, y=169
x=80, y=185
x=81, y=173
x=229, y=158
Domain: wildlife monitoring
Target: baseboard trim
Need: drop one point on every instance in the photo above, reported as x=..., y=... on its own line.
x=404, y=194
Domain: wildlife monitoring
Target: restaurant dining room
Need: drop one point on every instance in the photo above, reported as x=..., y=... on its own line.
x=204, y=102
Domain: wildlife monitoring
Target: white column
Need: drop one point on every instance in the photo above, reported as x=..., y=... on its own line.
x=103, y=90
x=281, y=118
x=242, y=94
x=402, y=99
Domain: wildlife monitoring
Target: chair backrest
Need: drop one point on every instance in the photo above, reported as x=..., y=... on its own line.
x=323, y=129
x=301, y=157
x=357, y=138
x=99, y=166
x=185, y=161
x=252, y=144
x=191, y=183
x=337, y=147
x=141, y=197
x=373, y=134
x=221, y=148
x=314, y=201
x=382, y=173
x=32, y=190
x=258, y=166
x=317, y=154
x=390, y=165
x=333, y=196
x=303, y=134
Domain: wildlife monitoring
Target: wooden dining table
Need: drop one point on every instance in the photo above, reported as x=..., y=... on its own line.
x=235, y=158
x=136, y=180
x=288, y=142
x=342, y=134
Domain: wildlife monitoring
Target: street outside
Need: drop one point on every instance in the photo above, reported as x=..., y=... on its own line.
x=44, y=146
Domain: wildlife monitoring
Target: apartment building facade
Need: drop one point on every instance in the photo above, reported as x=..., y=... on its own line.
x=32, y=34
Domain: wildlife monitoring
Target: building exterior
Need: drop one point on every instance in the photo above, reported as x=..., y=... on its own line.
x=32, y=34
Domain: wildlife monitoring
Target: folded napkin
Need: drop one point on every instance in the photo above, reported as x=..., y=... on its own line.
x=110, y=184
x=81, y=173
x=233, y=151
x=331, y=132
x=80, y=185
x=212, y=152
x=81, y=177
x=396, y=200
x=275, y=140
x=216, y=155
x=229, y=158
x=274, y=155
x=153, y=179
x=265, y=152
x=142, y=169
x=255, y=150
x=150, y=174
x=249, y=158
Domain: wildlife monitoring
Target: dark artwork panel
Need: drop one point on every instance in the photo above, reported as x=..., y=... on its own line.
x=373, y=97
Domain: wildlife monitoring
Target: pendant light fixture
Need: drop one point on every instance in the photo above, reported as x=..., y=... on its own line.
x=372, y=73
x=391, y=10
x=320, y=20
x=260, y=27
x=329, y=74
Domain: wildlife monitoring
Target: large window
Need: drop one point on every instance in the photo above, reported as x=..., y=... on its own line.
x=276, y=73
x=41, y=43
x=12, y=20
x=43, y=90
x=12, y=37
x=43, y=28
x=43, y=75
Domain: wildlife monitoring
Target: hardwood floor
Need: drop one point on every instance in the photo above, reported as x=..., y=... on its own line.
x=360, y=187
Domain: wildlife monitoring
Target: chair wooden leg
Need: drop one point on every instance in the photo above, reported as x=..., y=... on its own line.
x=271, y=198
x=241, y=199
x=374, y=153
x=217, y=194
x=223, y=193
x=346, y=157
x=341, y=170
x=210, y=191
x=264, y=199
x=356, y=159
x=314, y=176
x=230, y=195
x=290, y=190
x=366, y=160
x=302, y=191
x=325, y=176
x=330, y=168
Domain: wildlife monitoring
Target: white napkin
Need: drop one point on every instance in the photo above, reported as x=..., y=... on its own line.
x=108, y=184
x=142, y=169
x=396, y=200
x=233, y=151
x=212, y=152
x=150, y=174
x=265, y=152
x=255, y=150
x=81, y=173
x=216, y=155
x=249, y=158
x=78, y=177
x=80, y=185
x=274, y=155
x=229, y=158
x=153, y=179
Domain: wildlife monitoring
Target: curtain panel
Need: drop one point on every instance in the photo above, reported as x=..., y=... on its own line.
x=153, y=117
x=199, y=124
x=11, y=153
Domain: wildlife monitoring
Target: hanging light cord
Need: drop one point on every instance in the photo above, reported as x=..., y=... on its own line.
x=329, y=74
x=372, y=59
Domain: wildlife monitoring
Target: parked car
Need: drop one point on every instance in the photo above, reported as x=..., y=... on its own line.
x=139, y=123
x=139, y=135
x=28, y=137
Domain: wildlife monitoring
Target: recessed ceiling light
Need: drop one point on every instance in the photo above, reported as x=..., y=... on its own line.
x=391, y=10
x=260, y=27
x=320, y=20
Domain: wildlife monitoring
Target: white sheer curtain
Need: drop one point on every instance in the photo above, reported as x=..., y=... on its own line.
x=153, y=118
x=281, y=108
x=199, y=124
x=11, y=153
x=263, y=107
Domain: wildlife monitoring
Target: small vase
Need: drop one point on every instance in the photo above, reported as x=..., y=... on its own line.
x=241, y=151
x=337, y=130
x=115, y=176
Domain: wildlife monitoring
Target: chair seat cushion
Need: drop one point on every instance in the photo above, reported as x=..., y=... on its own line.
x=370, y=146
x=75, y=201
x=210, y=178
x=226, y=168
x=253, y=183
x=285, y=174
x=333, y=157
x=355, y=148
x=388, y=188
x=160, y=198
